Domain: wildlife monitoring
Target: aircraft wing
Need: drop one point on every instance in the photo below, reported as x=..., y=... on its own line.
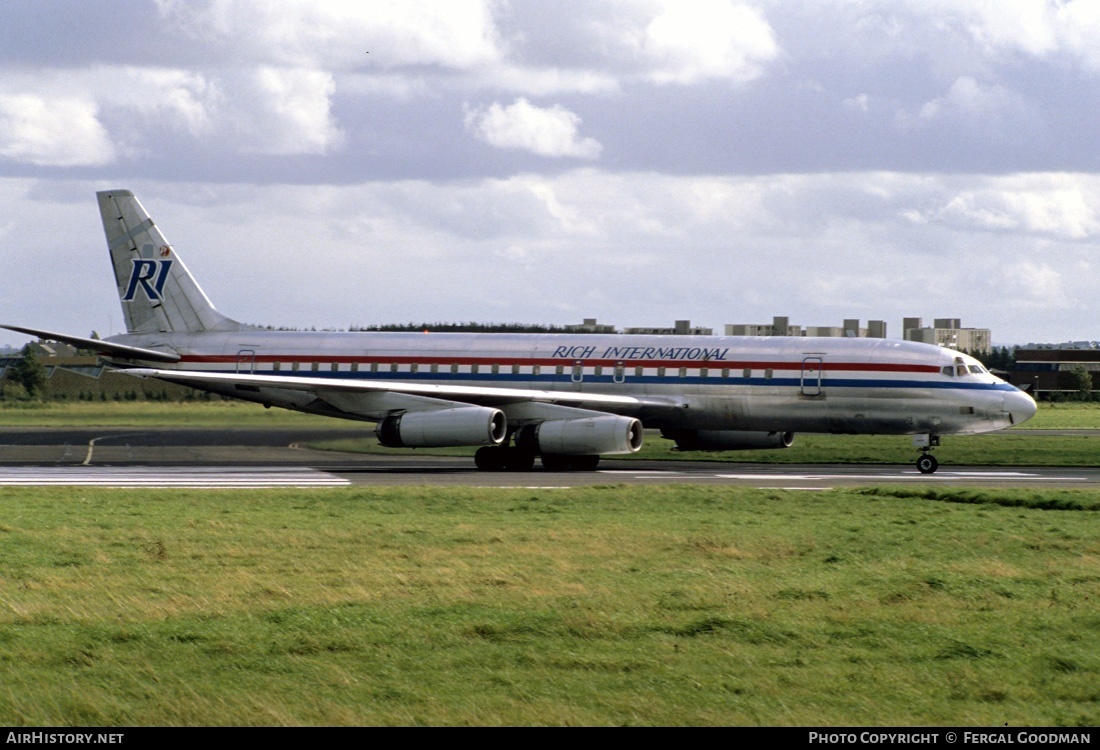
x=464, y=394
x=102, y=347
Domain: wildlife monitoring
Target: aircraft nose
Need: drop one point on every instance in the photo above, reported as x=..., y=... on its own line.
x=1020, y=406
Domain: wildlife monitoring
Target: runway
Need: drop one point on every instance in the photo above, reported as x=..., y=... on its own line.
x=252, y=458
x=154, y=476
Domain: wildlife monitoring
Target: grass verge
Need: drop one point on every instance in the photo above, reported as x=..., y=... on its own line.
x=158, y=414
x=683, y=605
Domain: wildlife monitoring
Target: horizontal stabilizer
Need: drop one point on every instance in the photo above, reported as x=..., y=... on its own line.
x=102, y=347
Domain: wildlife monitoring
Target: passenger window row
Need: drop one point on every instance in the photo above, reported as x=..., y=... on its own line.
x=454, y=369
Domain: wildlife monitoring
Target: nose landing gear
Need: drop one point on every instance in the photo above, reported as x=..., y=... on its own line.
x=927, y=463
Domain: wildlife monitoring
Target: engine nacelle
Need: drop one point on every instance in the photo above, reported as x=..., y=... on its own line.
x=583, y=437
x=728, y=440
x=464, y=425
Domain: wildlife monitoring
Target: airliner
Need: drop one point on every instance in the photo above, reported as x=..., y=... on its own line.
x=564, y=399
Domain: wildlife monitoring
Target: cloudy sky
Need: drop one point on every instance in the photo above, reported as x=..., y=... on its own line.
x=330, y=164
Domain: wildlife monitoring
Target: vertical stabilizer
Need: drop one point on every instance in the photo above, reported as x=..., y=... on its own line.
x=157, y=291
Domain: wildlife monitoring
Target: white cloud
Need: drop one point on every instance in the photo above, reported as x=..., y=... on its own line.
x=1036, y=28
x=1059, y=206
x=98, y=115
x=285, y=111
x=969, y=99
x=183, y=99
x=973, y=104
x=341, y=34
x=674, y=42
x=53, y=131
x=688, y=42
x=546, y=81
x=666, y=41
x=860, y=103
x=1033, y=284
x=1022, y=24
x=1080, y=30
x=549, y=131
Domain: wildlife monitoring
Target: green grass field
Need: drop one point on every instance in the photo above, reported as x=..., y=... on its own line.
x=1065, y=416
x=158, y=414
x=596, y=606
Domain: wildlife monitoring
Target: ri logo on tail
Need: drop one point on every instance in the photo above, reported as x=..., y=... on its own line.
x=149, y=276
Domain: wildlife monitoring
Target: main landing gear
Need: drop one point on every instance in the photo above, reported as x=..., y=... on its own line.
x=561, y=462
x=927, y=463
x=510, y=458
x=503, y=458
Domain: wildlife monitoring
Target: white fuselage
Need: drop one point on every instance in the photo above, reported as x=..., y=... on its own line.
x=821, y=385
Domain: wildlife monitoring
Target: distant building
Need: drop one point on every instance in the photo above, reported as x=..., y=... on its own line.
x=948, y=332
x=1042, y=369
x=53, y=349
x=828, y=331
x=681, y=328
x=591, y=326
x=781, y=326
x=750, y=329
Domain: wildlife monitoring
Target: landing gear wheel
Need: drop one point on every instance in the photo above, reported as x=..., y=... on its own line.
x=489, y=459
x=503, y=458
x=555, y=462
x=585, y=463
x=927, y=464
x=561, y=462
x=519, y=460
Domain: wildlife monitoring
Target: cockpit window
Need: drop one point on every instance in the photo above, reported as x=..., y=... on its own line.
x=949, y=371
x=960, y=370
x=977, y=369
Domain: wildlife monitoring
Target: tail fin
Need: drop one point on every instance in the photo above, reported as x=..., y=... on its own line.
x=157, y=291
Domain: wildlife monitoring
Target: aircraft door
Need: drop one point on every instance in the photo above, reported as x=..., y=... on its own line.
x=246, y=361
x=812, y=368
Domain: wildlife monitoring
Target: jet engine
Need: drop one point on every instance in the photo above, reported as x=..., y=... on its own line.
x=464, y=425
x=728, y=440
x=583, y=437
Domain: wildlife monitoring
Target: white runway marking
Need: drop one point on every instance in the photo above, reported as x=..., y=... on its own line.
x=944, y=475
x=536, y=487
x=773, y=476
x=189, y=476
x=641, y=472
x=678, y=475
x=796, y=489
